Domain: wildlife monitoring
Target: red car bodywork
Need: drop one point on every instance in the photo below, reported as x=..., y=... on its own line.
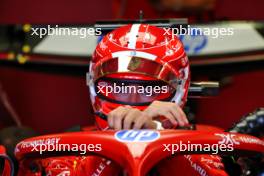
x=137, y=158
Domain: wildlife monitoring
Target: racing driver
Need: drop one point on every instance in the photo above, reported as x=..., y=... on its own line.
x=138, y=79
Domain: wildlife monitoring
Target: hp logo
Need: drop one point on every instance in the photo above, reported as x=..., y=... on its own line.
x=194, y=43
x=137, y=135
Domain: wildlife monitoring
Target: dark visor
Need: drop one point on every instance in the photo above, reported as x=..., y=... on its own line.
x=133, y=92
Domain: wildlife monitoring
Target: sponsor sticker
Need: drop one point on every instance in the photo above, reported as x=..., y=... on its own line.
x=137, y=135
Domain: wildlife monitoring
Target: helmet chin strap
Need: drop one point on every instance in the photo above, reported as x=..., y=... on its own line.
x=101, y=115
x=181, y=89
x=90, y=83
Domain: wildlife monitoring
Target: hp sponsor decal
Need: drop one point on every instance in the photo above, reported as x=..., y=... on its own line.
x=137, y=135
x=194, y=43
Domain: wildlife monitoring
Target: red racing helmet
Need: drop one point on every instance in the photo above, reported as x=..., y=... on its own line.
x=136, y=65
